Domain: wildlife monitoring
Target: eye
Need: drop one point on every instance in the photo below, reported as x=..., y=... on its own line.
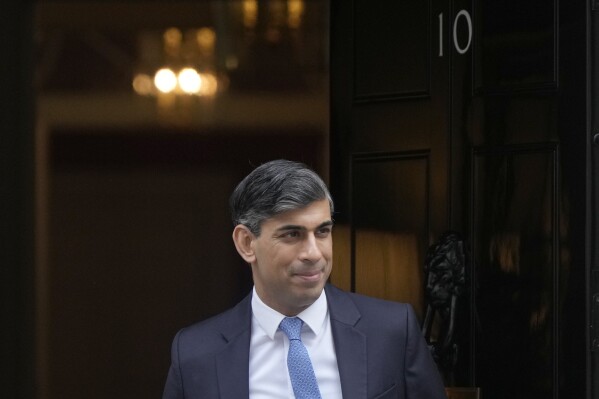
x=324, y=231
x=291, y=234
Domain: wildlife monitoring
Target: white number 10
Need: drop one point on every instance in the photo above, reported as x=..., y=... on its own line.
x=459, y=49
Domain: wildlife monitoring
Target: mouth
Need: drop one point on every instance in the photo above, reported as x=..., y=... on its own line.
x=310, y=276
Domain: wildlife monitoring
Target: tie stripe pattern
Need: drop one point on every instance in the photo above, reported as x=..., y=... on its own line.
x=299, y=365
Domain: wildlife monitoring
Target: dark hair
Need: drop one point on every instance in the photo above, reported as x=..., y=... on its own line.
x=273, y=188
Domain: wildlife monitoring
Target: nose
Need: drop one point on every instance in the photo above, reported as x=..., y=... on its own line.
x=310, y=252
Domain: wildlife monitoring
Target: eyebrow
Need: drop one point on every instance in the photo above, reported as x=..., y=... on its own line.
x=298, y=227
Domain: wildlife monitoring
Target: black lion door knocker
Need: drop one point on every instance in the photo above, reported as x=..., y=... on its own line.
x=444, y=267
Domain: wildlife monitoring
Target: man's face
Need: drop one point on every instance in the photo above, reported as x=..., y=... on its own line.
x=293, y=257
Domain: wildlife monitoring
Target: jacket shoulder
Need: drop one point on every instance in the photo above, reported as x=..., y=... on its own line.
x=210, y=335
x=371, y=314
x=367, y=303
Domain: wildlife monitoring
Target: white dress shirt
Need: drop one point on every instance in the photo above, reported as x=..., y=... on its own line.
x=268, y=377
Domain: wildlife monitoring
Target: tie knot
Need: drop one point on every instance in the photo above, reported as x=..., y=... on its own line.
x=292, y=327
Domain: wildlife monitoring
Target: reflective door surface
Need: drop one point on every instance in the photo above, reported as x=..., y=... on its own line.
x=471, y=116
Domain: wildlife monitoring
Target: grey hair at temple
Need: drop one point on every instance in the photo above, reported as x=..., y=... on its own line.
x=273, y=188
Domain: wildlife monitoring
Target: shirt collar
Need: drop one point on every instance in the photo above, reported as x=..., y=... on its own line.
x=314, y=316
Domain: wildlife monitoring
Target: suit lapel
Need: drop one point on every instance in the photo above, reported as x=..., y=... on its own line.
x=232, y=364
x=350, y=344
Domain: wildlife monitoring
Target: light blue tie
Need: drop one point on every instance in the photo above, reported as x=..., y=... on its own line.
x=299, y=365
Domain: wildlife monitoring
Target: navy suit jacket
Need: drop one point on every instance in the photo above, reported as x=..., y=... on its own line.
x=380, y=352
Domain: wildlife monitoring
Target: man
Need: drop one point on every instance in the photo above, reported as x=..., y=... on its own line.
x=350, y=346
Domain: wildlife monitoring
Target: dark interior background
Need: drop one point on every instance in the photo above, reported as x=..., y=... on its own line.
x=133, y=231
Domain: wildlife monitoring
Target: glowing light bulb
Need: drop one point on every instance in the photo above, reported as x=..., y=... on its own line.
x=165, y=80
x=205, y=38
x=209, y=84
x=190, y=81
x=142, y=84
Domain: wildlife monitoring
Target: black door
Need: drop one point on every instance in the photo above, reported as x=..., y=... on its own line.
x=470, y=116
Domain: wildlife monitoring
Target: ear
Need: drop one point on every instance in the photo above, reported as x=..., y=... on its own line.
x=242, y=238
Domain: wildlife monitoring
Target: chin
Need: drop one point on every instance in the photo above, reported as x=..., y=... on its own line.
x=309, y=295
